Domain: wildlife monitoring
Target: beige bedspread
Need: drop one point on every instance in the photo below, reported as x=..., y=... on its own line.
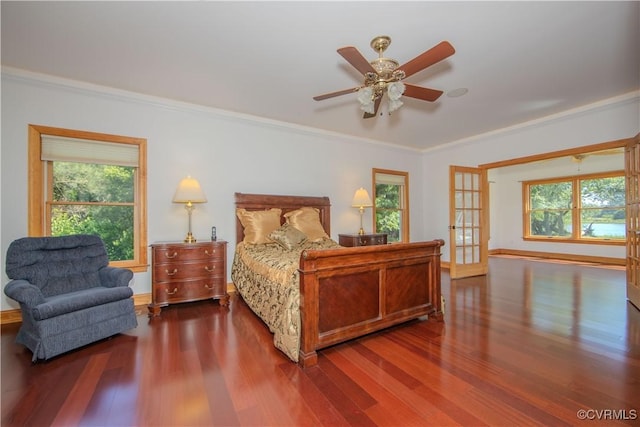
x=267, y=278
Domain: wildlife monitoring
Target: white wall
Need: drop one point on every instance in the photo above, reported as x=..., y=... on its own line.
x=609, y=120
x=227, y=153
x=231, y=153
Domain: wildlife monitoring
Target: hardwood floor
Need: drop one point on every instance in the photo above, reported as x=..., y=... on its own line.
x=532, y=343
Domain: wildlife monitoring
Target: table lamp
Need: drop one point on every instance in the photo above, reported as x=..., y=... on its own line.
x=361, y=200
x=189, y=192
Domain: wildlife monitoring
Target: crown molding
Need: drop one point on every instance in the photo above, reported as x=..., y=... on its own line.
x=69, y=85
x=60, y=83
x=628, y=98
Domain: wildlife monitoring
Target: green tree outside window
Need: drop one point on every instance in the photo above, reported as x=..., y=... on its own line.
x=578, y=208
x=95, y=199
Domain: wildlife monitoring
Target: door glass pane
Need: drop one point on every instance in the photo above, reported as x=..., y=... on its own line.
x=468, y=200
x=468, y=183
x=459, y=218
x=458, y=178
x=468, y=255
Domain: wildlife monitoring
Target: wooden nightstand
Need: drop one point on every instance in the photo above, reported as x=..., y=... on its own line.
x=183, y=272
x=362, y=239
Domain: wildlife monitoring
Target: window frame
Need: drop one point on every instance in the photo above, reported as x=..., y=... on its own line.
x=404, y=209
x=576, y=210
x=38, y=191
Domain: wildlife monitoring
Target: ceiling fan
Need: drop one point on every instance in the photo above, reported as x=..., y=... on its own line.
x=385, y=75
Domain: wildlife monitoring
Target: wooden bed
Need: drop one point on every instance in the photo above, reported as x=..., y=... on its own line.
x=350, y=292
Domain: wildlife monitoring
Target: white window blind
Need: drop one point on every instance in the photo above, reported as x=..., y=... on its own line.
x=388, y=179
x=63, y=149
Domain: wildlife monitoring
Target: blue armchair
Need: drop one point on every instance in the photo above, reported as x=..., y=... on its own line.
x=69, y=295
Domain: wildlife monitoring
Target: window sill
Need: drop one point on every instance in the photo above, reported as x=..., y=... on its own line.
x=611, y=242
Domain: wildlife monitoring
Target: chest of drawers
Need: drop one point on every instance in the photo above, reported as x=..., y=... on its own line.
x=183, y=272
x=362, y=239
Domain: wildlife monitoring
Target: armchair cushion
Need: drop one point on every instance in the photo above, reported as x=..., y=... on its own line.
x=79, y=300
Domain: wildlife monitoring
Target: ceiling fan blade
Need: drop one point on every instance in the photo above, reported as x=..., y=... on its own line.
x=375, y=109
x=338, y=93
x=355, y=58
x=436, y=54
x=419, y=92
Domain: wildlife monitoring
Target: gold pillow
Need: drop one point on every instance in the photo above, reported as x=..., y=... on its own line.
x=258, y=224
x=288, y=236
x=307, y=220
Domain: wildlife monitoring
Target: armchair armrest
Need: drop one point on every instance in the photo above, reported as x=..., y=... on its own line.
x=115, y=276
x=24, y=292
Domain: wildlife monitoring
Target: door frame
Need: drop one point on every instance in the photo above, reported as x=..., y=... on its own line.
x=585, y=149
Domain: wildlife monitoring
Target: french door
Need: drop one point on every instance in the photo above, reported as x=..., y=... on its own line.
x=468, y=222
x=632, y=172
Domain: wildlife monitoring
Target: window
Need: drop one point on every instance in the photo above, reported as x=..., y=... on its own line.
x=588, y=208
x=90, y=183
x=391, y=204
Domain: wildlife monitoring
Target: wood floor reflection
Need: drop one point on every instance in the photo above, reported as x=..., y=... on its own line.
x=532, y=343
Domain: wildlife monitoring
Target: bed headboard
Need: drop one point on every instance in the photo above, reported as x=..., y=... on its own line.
x=255, y=202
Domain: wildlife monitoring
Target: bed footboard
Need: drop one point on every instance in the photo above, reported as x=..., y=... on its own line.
x=349, y=292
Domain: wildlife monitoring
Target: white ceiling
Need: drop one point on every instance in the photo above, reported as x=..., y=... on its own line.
x=519, y=60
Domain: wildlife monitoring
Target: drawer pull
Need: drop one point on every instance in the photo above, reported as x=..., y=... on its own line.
x=175, y=291
x=206, y=251
x=210, y=270
x=171, y=273
x=209, y=287
x=166, y=254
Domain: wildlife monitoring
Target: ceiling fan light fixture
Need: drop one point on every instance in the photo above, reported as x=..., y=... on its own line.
x=395, y=90
x=394, y=105
x=366, y=99
x=368, y=108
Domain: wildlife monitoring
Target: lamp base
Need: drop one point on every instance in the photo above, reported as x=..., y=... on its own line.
x=361, y=231
x=189, y=238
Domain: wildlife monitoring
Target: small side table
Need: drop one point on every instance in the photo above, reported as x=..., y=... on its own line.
x=362, y=239
x=183, y=272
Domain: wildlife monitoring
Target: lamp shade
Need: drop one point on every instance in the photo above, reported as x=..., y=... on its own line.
x=189, y=191
x=361, y=199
